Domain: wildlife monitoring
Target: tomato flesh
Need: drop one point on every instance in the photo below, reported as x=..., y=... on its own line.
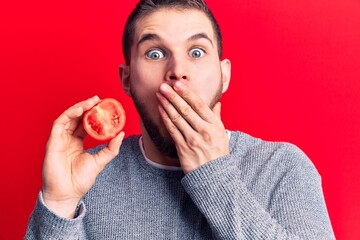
x=105, y=120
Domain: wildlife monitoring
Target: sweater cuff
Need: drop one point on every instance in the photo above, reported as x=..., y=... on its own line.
x=212, y=174
x=54, y=225
x=216, y=167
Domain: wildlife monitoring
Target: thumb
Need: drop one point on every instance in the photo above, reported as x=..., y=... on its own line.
x=217, y=109
x=105, y=155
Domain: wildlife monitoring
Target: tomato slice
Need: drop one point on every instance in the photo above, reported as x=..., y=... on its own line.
x=105, y=120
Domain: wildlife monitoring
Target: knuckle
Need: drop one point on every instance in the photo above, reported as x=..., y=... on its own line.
x=176, y=118
x=186, y=95
x=171, y=129
x=206, y=135
x=198, y=106
x=193, y=141
x=185, y=111
x=110, y=152
x=58, y=124
x=172, y=97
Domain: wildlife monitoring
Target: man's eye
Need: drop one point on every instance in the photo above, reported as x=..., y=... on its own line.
x=155, y=54
x=196, y=53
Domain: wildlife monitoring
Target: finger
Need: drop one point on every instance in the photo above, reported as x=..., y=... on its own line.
x=105, y=155
x=70, y=118
x=197, y=104
x=63, y=122
x=80, y=131
x=74, y=125
x=115, y=143
x=183, y=108
x=88, y=103
x=217, y=109
x=174, y=132
x=185, y=119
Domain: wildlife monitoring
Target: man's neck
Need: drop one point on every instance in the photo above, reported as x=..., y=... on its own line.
x=153, y=154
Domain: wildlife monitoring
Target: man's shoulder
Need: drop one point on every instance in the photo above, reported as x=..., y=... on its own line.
x=268, y=165
x=265, y=152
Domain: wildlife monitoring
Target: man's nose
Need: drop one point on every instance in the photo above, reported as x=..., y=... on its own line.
x=177, y=69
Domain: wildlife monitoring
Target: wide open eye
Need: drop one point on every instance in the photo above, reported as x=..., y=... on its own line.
x=155, y=54
x=196, y=53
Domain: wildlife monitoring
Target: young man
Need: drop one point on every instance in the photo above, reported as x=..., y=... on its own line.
x=185, y=177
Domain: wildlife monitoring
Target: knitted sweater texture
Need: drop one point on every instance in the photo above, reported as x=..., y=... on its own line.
x=261, y=190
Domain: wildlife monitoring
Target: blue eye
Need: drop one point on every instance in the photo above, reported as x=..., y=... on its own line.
x=196, y=53
x=155, y=54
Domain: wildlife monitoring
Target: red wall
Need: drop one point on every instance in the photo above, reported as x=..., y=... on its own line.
x=295, y=78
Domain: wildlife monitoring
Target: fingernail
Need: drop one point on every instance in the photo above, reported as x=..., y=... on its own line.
x=179, y=86
x=160, y=97
x=161, y=109
x=164, y=87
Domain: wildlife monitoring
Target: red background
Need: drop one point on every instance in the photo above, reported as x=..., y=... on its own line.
x=295, y=78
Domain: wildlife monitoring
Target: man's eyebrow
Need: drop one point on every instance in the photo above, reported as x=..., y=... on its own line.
x=200, y=36
x=148, y=37
x=155, y=37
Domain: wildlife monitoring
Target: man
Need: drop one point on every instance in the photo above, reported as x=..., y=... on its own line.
x=185, y=177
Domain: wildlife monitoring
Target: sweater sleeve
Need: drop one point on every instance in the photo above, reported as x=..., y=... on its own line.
x=45, y=224
x=296, y=208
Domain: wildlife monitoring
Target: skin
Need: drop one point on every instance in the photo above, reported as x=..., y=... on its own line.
x=181, y=91
x=69, y=172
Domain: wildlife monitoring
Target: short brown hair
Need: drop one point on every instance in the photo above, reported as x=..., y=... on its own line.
x=145, y=7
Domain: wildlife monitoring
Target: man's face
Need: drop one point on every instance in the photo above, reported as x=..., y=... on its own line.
x=172, y=45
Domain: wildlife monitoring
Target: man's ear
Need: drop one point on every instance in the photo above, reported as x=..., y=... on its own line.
x=226, y=73
x=124, y=73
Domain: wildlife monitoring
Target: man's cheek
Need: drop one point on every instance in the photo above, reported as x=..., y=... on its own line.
x=205, y=92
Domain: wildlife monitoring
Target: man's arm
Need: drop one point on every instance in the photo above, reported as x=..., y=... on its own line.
x=68, y=174
x=45, y=224
x=296, y=209
x=213, y=178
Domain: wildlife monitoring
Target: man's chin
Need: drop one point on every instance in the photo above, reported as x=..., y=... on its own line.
x=164, y=143
x=160, y=137
x=170, y=152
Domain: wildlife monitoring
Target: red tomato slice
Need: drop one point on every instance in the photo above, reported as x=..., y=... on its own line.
x=105, y=120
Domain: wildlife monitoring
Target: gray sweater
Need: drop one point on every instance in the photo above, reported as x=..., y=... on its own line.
x=262, y=190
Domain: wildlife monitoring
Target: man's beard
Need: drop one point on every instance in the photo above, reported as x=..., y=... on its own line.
x=157, y=132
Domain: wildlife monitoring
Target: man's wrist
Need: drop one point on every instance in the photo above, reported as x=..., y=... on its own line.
x=63, y=208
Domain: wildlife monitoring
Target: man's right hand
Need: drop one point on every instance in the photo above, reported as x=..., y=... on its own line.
x=68, y=171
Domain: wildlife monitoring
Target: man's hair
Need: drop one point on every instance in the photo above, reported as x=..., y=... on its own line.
x=146, y=7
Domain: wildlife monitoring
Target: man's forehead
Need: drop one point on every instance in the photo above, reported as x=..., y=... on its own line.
x=165, y=23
